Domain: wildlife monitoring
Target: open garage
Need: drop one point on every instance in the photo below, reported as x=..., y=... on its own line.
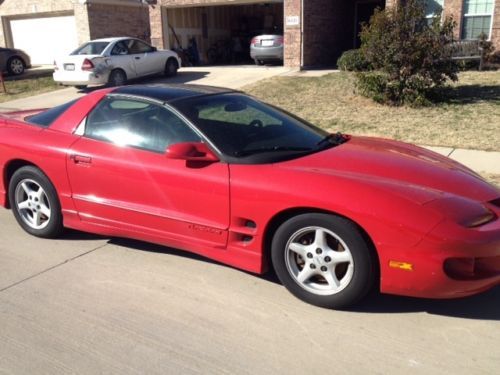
x=221, y=34
x=315, y=32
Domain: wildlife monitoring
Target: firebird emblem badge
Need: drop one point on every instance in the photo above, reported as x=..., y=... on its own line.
x=203, y=228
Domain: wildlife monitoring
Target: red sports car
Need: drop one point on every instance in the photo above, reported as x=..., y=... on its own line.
x=221, y=174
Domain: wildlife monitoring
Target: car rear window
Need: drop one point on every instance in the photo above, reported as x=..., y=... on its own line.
x=47, y=117
x=91, y=48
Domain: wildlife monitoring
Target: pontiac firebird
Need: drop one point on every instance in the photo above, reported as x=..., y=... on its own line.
x=221, y=174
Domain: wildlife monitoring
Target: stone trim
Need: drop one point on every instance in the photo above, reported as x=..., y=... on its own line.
x=127, y=3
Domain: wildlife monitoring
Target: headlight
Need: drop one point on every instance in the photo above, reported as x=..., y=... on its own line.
x=463, y=211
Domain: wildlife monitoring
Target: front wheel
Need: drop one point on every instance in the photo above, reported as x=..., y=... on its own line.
x=34, y=203
x=323, y=260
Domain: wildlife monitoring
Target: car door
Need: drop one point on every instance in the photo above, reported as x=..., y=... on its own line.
x=121, y=177
x=146, y=58
x=121, y=58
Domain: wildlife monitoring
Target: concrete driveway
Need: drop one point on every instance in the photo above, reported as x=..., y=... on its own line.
x=232, y=77
x=85, y=304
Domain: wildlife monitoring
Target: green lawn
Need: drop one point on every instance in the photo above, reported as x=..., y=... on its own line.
x=468, y=117
x=21, y=88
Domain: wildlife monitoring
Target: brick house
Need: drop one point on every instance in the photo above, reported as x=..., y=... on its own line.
x=316, y=31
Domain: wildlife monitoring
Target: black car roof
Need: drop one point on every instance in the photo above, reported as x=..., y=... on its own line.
x=169, y=92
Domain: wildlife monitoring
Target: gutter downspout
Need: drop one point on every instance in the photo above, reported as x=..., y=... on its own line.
x=301, y=35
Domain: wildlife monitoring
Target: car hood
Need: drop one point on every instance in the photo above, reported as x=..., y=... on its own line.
x=420, y=174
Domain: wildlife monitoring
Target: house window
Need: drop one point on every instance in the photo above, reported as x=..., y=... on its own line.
x=433, y=9
x=477, y=18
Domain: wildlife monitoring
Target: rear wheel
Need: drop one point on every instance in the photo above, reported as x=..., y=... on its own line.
x=34, y=203
x=171, y=67
x=15, y=66
x=117, y=78
x=81, y=87
x=258, y=62
x=323, y=260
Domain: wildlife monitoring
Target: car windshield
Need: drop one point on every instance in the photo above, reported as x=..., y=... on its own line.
x=242, y=127
x=47, y=117
x=91, y=48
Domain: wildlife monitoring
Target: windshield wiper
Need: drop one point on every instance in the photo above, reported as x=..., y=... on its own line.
x=333, y=139
x=270, y=149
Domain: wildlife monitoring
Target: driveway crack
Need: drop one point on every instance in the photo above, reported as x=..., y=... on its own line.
x=51, y=268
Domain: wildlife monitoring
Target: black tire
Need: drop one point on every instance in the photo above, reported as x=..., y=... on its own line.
x=15, y=66
x=351, y=279
x=51, y=226
x=171, y=67
x=117, y=77
x=81, y=87
x=258, y=62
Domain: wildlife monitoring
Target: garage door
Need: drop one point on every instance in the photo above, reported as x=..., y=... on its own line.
x=45, y=38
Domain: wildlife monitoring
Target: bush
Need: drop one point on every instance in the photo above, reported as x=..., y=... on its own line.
x=353, y=61
x=409, y=53
x=379, y=87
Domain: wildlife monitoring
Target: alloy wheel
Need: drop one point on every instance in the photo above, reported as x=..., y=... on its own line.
x=319, y=261
x=32, y=204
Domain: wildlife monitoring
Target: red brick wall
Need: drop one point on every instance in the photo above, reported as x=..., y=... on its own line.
x=109, y=20
x=453, y=8
x=328, y=30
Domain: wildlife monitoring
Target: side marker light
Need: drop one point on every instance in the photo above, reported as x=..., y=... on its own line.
x=401, y=265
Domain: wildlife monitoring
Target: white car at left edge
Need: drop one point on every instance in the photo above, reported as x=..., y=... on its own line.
x=113, y=61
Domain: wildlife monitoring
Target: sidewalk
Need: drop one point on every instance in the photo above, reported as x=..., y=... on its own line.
x=45, y=100
x=479, y=161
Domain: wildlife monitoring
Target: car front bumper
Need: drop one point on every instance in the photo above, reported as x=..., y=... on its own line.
x=82, y=78
x=450, y=262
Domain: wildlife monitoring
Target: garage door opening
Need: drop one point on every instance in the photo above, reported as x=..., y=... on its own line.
x=221, y=35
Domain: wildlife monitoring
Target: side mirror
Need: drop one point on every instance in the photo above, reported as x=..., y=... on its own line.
x=154, y=49
x=191, y=151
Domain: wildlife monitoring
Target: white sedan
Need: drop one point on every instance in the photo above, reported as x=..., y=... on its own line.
x=113, y=61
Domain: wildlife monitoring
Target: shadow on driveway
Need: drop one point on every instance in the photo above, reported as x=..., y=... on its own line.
x=485, y=306
x=181, y=77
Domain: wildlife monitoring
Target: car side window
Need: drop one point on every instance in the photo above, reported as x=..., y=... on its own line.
x=136, y=46
x=134, y=123
x=120, y=48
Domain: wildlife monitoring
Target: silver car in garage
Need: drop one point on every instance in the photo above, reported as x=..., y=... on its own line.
x=266, y=48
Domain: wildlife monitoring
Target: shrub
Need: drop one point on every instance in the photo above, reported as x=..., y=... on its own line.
x=353, y=61
x=409, y=52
